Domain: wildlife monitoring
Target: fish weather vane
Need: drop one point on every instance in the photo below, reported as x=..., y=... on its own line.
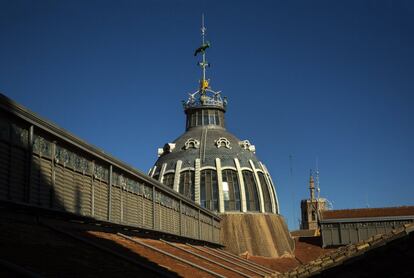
x=204, y=83
x=204, y=96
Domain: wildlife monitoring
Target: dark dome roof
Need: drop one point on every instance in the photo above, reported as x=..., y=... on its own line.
x=207, y=150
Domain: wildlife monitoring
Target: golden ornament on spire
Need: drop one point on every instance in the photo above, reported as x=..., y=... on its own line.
x=204, y=84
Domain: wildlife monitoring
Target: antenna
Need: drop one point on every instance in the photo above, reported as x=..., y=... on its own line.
x=318, y=189
x=293, y=191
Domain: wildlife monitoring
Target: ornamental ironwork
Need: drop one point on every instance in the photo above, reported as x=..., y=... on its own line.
x=19, y=136
x=81, y=164
x=42, y=146
x=101, y=172
x=206, y=98
x=132, y=185
x=147, y=191
x=166, y=201
x=68, y=158
x=189, y=211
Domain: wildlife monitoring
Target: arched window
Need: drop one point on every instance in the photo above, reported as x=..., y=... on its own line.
x=187, y=184
x=168, y=180
x=209, y=189
x=252, y=200
x=265, y=192
x=231, y=190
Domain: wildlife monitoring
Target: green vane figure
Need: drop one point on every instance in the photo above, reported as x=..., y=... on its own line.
x=202, y=48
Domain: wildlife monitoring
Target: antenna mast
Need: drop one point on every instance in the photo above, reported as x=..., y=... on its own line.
x=318, y=190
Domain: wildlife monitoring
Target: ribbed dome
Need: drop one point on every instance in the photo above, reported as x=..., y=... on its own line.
x=210, y=165
x=213, y=167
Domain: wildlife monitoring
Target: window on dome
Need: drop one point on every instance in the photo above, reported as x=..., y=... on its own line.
x=252, y=200
x=168, y=180
x=209, y=189
x=212, y=120
x=231, y=190
x=199, y=118
x=216, y=115
x=205, y=117
x=187, y=184
x=265, y=191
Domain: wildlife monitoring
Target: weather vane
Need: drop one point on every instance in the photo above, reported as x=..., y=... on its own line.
x=204, y=83
x=204, y=96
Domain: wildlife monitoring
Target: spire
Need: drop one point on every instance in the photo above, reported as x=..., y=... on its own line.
x=204, y=83
x=312, y=187
x=204, y=97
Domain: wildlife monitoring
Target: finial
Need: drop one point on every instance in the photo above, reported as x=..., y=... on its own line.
x=204, y=96
x=204, y=83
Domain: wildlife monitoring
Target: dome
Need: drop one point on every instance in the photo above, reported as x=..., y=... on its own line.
x=211, y=166
x=208, y=164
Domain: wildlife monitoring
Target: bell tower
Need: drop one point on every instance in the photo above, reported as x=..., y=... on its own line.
x=310, y=208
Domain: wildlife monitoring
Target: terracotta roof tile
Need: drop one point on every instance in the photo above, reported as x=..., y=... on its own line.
x=345, y=253
x=368, y=212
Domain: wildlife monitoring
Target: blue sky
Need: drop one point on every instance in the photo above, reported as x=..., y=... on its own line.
x=331, y=80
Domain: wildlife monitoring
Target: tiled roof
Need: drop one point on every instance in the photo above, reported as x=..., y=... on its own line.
x=46, y=246
x=303, y=233
x=346, y=253
x=368, y=212
x=207, y=144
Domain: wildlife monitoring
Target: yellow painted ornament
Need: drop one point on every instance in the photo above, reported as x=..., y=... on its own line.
x=204, y=84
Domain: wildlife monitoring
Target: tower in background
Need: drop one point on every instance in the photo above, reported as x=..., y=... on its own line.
x=311, y=208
